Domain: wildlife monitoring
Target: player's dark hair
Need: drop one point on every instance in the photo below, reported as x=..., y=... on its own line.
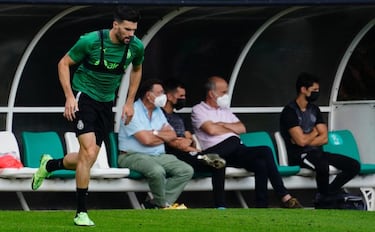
x=122, y=13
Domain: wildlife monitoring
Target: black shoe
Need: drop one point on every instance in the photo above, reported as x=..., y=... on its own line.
x=324, y=201
x=339, y=200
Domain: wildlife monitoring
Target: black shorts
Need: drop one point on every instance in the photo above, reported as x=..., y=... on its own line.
x=93, y=116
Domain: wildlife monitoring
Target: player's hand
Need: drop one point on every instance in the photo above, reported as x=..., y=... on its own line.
x=127, y=113
x=71, y=106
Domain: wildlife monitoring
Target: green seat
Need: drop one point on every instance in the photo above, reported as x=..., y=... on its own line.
x=113, y=149
x=113, y=159
x=35, y=144
x=343, y=142
x=262, y=138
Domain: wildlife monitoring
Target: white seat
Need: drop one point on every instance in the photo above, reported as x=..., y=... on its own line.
x=9, y=145
x=101, y=168
x=237, y=172
x=283, y=157
x=196, y=141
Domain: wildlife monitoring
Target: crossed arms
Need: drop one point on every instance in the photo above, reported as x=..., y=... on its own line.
x=317, y=137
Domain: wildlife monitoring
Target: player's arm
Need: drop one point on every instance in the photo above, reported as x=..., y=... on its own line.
x=135, y=79
x=64, y=76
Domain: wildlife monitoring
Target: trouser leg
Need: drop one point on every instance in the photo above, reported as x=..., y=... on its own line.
x=179, y=173
x=349, y=168
x=239, y=156
x=262, y=162
x=321, y=167
x=152, y=170
x=273, y=174
x=218, y=187
x=218, y=175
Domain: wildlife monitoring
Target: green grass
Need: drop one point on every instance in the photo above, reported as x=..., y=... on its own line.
x=193, y=220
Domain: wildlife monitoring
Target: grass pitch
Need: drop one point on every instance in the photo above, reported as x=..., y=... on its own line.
x=193, y=220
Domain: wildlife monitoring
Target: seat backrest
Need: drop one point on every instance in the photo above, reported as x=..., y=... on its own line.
x=36, y=144
x=281, y=149
x=72, y=145
x=196, y=141
x=113, y=147
x=342, y=142
x=113, y=158
x=9, y=144
x=259, y=138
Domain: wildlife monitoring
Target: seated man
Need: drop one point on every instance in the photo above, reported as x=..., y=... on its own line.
x=304, y=131
x=141, y=145
x=184, y=147
x=218, y=130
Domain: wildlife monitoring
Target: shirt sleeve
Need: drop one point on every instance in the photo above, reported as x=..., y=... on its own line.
x=81, y=48
x=198, y=116
x=139, y=122
x=319, y=116
x=136, y=124
x=140, y=52
x=161, y=118
x=289, y=118
x=133, y=127
x=232, y=117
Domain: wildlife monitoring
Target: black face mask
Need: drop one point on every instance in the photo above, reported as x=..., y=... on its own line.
x=313, y=96
x=179, y=104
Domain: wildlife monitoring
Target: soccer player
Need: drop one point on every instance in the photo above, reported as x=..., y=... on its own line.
x=103, y=57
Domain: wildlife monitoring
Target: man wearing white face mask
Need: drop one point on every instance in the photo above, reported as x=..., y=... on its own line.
x=218, y=130
x=222, y=101
x=141, y=146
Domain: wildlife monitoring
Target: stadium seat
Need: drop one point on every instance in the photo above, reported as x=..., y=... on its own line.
x=9, y=145
x=113, y=148
x=36, y=144
x=262, y=138
x=343, y=142
x=100, y=169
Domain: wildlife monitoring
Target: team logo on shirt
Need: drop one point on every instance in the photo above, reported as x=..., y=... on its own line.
x=113, y=65
x=80, y=125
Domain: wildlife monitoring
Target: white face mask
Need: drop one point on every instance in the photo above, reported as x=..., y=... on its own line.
x=160, y=101
x=223, y=101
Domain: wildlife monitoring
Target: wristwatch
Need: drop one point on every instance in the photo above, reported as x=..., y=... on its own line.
x=155, y=132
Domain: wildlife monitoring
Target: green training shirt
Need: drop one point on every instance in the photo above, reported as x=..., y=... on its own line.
x=98, y=85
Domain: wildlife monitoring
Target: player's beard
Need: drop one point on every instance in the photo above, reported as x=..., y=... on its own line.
x=123, y=40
